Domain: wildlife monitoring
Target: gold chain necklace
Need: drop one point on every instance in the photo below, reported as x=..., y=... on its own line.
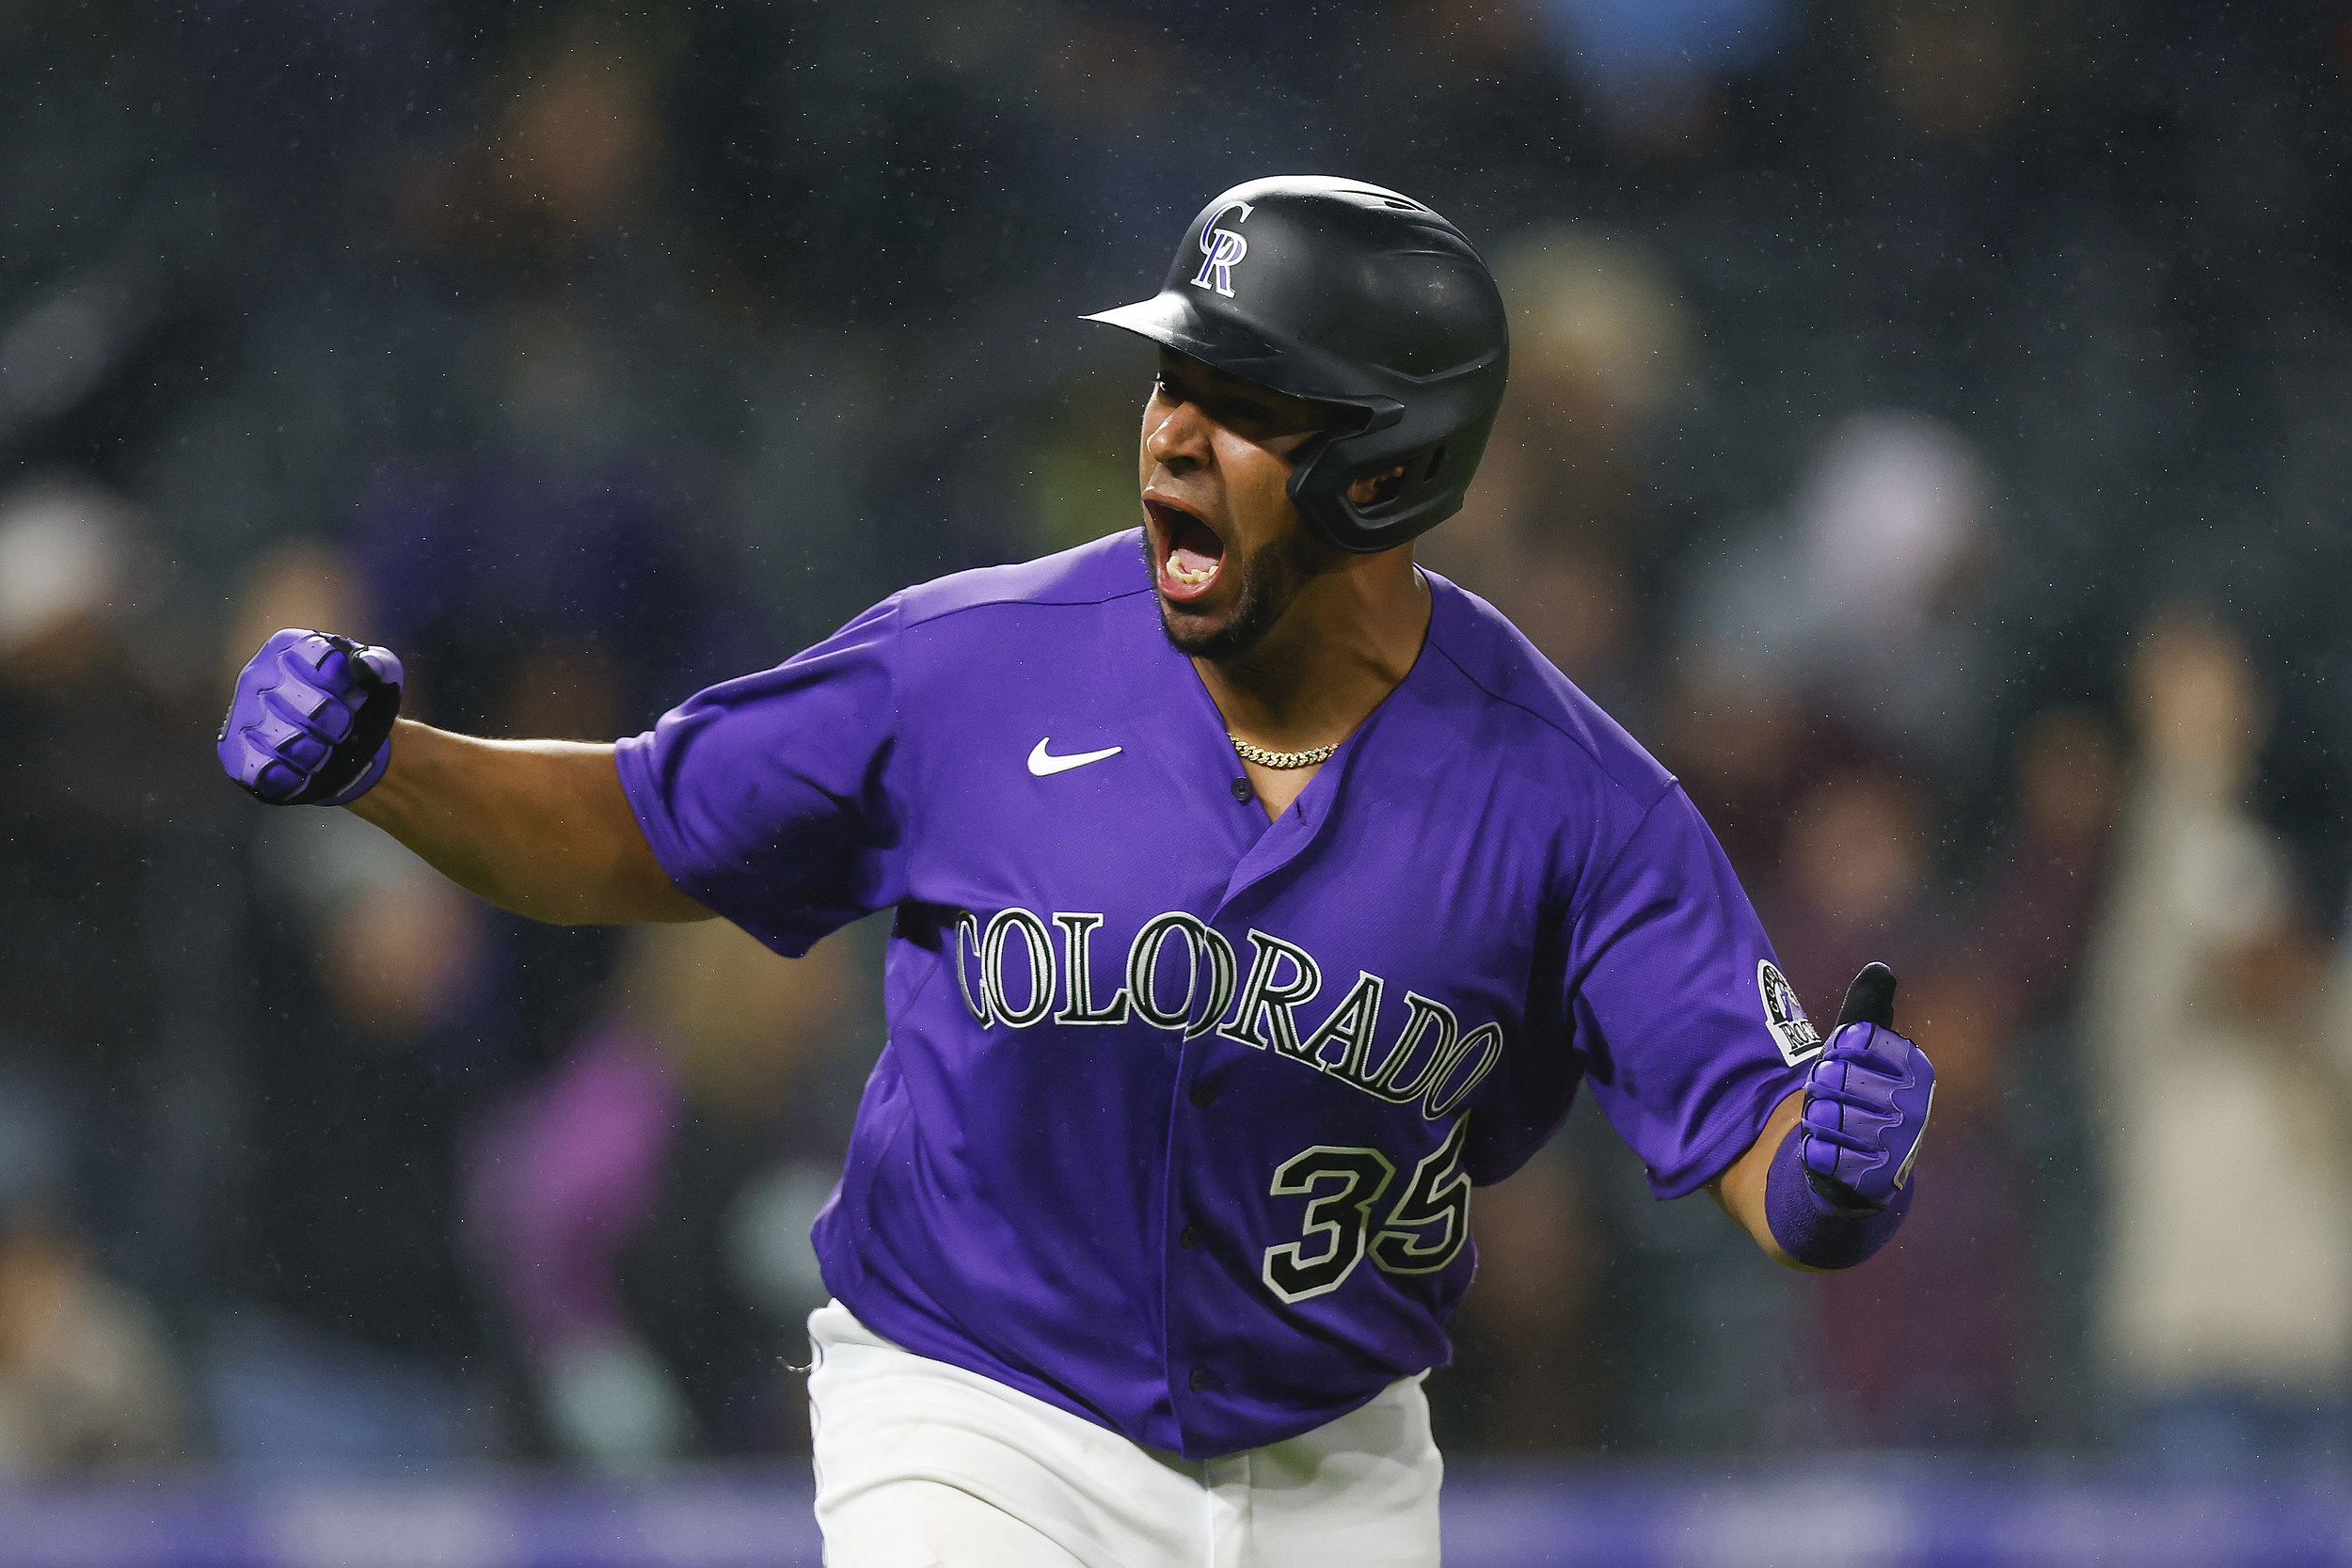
x=1264, y=758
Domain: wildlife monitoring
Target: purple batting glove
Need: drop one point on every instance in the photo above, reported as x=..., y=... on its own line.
x=312, y=723
x=1866, y=1109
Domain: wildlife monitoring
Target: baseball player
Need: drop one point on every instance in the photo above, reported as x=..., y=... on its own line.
x=1257, y=895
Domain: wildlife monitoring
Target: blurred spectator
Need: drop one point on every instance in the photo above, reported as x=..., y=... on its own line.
x=1529, y=1372
x=540, y=549
x=1867, y=600
x=82, y=719
x=299, y=583
x=1693, y=1323
x=85, y=1376
x=558, y=1185
x=1924, y=1347
x=1736, y=739
x=111, y=1010
x=2220, y=1076
x=1600, y=345
x=770, y=1055
x=1932, y=1345
x=608, y=1202
x=355, y=1342
x=550, y=598
x=2047, y=880
x=1853, y=885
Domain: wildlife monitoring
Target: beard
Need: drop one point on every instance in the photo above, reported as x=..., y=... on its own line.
x=1272, y=577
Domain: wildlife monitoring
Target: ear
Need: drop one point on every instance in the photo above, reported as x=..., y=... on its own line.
x=1374, y=488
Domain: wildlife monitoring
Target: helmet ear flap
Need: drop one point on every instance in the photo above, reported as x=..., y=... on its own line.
x=1430, y=490
x=1320, y=477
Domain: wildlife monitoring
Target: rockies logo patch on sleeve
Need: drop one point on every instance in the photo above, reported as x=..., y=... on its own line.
x=1784, y=1015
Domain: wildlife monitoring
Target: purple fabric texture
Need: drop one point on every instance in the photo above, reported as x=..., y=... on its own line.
x=1866, y=1109
x=1810, y=1231
x=1181, y=1108
x=307, y=723
x=563, y=1179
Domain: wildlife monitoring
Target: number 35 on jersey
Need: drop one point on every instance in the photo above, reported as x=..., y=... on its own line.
x=1420, y=1233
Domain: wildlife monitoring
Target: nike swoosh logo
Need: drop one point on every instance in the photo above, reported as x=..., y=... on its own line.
x=1043, y=766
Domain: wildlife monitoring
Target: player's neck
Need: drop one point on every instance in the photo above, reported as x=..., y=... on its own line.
x=1346, y=643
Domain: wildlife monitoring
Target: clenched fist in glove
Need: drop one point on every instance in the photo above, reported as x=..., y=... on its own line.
x=311, y=722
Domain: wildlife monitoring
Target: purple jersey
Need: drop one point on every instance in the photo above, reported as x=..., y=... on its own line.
x=1181, y=1108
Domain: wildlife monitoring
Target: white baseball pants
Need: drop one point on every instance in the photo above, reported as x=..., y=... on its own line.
x=921, y=1465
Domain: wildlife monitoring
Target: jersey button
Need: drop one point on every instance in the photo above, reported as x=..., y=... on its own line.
x=1204, y=1095
x=1241, y=790
x=1191, y=1237
x=1203, y=1380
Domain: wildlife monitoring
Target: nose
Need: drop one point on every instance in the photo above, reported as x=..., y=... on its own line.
x=1176, y=435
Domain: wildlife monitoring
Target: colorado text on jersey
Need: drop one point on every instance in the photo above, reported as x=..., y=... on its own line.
x=1430, y=1059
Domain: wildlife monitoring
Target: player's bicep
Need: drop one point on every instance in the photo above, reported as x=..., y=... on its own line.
x=1672, y=996
x=768, y=799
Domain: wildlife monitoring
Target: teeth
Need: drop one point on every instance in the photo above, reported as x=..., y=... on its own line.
x=1183, y=576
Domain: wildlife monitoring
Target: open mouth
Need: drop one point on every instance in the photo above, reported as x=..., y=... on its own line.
x=1189, y=552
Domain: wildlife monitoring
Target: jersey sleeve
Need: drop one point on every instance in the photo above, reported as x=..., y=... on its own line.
x=1667, y=974
x=768, y=799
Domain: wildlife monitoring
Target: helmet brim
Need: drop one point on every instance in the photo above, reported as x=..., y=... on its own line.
x=1172, y=320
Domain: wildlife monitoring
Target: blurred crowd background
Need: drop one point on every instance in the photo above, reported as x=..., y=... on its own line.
x=1929, y=433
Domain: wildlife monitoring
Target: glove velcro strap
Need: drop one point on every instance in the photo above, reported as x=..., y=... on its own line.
x=1806, y=1224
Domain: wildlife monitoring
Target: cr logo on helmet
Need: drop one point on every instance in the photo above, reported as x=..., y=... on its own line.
x=1223, y=247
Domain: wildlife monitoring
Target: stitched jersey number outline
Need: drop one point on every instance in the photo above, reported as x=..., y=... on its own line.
x=1342, y=1185
x=1341, y=1217
x=1439, y=1195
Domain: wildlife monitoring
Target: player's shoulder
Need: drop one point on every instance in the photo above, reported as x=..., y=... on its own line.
x=1528, y=706
x=1092, y=574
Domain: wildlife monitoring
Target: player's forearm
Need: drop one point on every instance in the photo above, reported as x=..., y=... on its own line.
x=537, y=827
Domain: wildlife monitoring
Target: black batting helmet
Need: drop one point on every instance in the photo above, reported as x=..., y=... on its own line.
x=1345, y=294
